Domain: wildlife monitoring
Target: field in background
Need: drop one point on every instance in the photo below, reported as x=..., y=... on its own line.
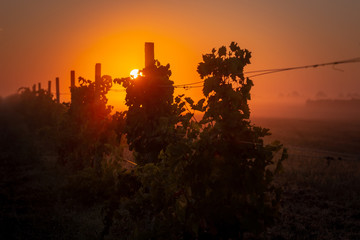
x=321, y=110
x=321, y=178
x=324, y=137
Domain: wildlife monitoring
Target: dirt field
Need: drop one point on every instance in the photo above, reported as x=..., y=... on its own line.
x=321, y=179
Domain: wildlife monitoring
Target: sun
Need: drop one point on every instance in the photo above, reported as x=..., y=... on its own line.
x=135, y=73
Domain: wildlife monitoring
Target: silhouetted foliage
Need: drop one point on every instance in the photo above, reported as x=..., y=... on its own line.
x=226, y=179
x=213, y=180
x=87, y=126
x=29, y=124
x=150, y=118
x=91, y=145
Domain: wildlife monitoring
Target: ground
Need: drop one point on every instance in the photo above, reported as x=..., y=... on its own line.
x=321, y=179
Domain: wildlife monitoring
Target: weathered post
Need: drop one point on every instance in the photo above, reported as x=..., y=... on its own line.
x=97, y=79
x=49, y=87
x=72, y=83
x=57, y=90
x=39, y=87
x=149, y=54
x=72, y=78
x=34, y=88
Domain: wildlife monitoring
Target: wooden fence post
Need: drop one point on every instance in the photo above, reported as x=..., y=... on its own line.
x=57, y=90
x=39, y=87
x=34, y=88
x=72, y=84
x=97, y=79
x=149, y=54
x=72, y=78
x=49, y=87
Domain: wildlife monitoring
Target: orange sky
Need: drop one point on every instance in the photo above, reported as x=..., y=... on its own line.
x=44, y=39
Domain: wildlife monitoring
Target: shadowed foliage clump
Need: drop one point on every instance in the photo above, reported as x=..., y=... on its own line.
x=90, y=144
x=87, y=125
x=150, y=117
x=29, y=124
x=213, y=178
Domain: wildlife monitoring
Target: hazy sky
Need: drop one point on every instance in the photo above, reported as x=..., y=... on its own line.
x=44, y=39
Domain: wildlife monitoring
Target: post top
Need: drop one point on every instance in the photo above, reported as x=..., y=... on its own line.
x=149, y=54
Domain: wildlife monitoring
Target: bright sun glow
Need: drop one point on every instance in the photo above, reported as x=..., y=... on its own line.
x=135, y=73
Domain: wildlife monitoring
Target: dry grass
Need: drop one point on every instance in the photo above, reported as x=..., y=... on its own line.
x=321, y=183
x=320, y=201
